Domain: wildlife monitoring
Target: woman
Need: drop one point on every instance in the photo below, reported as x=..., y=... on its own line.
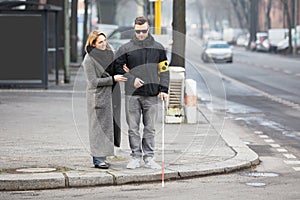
x=101, y=91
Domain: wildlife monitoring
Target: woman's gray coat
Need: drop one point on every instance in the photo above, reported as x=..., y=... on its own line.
x=99, y=108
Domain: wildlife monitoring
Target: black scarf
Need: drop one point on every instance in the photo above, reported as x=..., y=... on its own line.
x=104, y=57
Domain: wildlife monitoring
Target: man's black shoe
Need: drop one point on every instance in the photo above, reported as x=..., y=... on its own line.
x=102, y=165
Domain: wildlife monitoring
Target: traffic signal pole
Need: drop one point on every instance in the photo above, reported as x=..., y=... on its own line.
x=157, y=18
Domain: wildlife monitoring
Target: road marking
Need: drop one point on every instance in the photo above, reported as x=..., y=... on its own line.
x=292, y=162
x=290, y=156
x=296, y=168
x=258, y=132
x=263, y=136
x=268, y=140
x=271, y=97
x=287, y=71
x=275, y=145
x=282, y=150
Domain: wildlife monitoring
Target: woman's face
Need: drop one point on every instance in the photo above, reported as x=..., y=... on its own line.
x=101, y=42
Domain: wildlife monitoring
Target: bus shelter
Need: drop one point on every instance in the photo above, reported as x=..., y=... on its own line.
x=24, y=40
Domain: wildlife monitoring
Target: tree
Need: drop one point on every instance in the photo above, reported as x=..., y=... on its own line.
x=268, y=14
x=179, y=31
x=253, y=21
x=289, y=21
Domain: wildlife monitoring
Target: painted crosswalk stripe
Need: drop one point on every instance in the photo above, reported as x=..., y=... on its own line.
x=275, y=145
x=263, y=136
x=290, y=156
x=292, y=162
x=296, y=168
x=268, y=140
x=281, y=150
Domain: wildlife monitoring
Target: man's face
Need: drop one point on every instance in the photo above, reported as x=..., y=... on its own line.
x=141, y=31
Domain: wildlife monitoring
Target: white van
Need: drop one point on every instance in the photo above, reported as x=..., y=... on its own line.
x=276, y=36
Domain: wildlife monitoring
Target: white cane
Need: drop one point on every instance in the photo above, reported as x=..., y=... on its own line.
x=163, y=145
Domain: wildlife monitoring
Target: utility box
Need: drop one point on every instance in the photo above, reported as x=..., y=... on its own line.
x=175, y=102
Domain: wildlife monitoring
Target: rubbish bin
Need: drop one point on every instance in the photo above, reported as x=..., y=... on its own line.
x=175, y=102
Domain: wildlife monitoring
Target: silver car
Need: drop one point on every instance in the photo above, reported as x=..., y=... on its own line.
x=217, y=50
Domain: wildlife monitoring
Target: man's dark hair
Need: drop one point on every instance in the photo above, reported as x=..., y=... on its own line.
x=140, y=20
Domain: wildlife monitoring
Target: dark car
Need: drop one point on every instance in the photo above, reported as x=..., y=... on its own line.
x=120, y=36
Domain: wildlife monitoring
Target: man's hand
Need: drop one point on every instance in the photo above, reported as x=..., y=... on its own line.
x=163, y=96
x=138, y=83
x=125, y=68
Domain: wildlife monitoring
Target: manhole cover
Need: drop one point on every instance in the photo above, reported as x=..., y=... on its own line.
x=256, y=184
x=36, y=170
x=261, y=174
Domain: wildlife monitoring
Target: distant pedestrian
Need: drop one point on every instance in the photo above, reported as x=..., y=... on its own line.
x=148, y=77
x=103, y=98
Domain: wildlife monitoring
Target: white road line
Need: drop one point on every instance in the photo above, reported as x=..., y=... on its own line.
x=292, y=162
x=273, y=98
x=289, y=156
x=275, y=145
x=258, y=132
x=296, y=168
x=268, y=140
x=263, y=136
x=282, y=150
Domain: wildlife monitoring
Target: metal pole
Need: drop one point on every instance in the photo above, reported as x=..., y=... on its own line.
x=157, y=17
x=163, y=145
x=295, y=27
x=56, y=48
x=67, y=42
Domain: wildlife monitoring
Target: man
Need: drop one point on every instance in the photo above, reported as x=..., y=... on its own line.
x=148, y=77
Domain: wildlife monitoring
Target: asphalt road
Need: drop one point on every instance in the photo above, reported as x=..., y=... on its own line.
x=260, y=90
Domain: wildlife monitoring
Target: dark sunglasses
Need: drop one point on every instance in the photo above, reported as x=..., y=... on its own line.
x=141, y=31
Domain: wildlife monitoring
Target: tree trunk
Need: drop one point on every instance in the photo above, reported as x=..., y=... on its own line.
x=200, y=8
x=268, y=14
x=179, y=31
x=289, y=21
x=238, y=14
x=253, y=21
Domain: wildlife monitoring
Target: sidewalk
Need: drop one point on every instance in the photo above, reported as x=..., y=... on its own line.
x=44, y=144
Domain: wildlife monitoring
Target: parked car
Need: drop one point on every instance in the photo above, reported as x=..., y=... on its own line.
x=262, y=42
x=107, y=29
x=120, y=36
x=277, y=35
x=242, y=40
x=217, y=50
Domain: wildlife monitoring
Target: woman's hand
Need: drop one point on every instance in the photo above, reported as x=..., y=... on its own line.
x=120, y=78
x=125, y=68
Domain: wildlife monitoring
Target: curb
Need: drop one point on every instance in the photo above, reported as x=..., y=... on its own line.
x=244, y=158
